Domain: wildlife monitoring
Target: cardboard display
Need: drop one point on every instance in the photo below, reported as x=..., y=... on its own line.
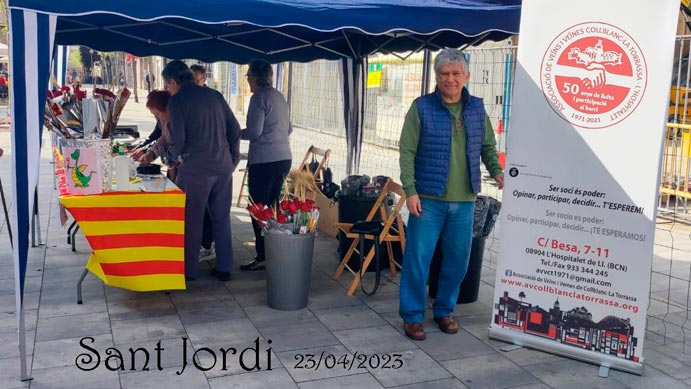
x=328, y=214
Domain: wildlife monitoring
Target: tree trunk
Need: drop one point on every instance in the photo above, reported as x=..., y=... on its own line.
x=152, y=71
x=135, y=87
x=124, y=70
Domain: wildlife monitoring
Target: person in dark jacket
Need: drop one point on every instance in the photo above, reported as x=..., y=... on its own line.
x=199, y=73
x=207, y=252
x=144, y=146
x=205, y=144
x=445, y=135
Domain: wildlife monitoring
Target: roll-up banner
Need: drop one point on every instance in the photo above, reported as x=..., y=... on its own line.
x=578, y=216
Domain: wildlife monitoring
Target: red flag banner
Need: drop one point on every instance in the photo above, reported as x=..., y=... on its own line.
x=137, y=238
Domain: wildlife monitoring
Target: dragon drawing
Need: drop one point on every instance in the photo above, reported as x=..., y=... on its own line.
x=80, y=180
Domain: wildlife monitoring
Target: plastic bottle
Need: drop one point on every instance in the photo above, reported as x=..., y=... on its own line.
x=121, y=167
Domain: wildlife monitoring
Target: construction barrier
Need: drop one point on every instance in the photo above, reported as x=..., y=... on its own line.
x=676, y=162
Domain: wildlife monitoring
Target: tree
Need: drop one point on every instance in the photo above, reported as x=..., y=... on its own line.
x=6, y=18
x=88, y=57
x=521, y=296
x=74, y=60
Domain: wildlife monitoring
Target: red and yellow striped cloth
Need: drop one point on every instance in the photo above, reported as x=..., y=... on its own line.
x=137, y=238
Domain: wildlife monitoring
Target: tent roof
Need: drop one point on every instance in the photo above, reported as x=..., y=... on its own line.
x=276, y=30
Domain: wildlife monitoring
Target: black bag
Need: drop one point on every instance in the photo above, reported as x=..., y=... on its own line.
x=352, y=185
x=328, y=176
x=329, y=189
x=314, y=165
x=379, y=181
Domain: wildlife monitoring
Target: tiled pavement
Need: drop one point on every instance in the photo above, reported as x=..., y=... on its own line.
x=212, y=315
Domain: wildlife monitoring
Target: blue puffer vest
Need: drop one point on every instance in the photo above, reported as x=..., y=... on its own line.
x=434, y=149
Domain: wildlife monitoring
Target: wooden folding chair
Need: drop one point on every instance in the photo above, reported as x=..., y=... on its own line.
x=319, y=155
x=244, y=186
x=388, y=232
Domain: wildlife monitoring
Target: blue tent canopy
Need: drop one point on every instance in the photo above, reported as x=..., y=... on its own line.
x=276, y=30
x=214, y=30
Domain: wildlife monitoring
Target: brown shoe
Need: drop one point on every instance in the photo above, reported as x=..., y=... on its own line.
x=414, y=331
x=447, y=324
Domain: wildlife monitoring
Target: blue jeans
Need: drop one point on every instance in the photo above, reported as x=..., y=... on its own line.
x=454, y=222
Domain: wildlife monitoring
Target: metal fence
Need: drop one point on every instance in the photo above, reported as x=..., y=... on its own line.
x=670, y=295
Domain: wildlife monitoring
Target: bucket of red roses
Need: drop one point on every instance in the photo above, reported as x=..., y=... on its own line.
x=289, y=230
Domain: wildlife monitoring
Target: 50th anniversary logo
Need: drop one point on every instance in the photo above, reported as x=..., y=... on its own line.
x=593, y=75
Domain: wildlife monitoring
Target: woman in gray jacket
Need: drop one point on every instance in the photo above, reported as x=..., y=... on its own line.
x=269, y=157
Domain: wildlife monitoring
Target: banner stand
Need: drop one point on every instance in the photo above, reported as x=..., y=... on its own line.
x=564, y=351
x=582, y=184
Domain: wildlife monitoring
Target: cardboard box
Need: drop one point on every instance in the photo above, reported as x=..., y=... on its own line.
x=328, y=214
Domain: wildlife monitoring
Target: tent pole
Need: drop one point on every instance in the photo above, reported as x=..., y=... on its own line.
x=361, y=85
x=22, y=345
x=426, y=64
x=35, y=223
x=289, y=92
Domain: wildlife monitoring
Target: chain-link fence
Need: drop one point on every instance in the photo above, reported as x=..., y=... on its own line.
x=316, y=110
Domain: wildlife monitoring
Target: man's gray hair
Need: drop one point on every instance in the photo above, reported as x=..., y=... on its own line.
x=450, y=56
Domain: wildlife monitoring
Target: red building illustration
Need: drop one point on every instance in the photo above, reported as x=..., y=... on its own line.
x=611, y=335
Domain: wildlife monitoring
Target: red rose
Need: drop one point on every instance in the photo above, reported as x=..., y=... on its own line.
x=282, y=218
x=292, y=207
x=267, y=214
x=284, y=205
x=305, y=207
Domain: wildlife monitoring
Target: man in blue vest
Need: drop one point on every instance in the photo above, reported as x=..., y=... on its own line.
x=445, y=135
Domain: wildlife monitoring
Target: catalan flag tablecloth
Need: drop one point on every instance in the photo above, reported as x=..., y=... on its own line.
x=137, y=238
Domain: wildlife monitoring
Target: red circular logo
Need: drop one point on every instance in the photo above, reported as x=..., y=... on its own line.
x=593, y=75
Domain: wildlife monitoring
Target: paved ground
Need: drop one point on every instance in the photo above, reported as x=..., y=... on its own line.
x=223, y=315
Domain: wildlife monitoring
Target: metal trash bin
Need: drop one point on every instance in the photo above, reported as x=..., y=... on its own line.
x=288, y=270
x=485, y=216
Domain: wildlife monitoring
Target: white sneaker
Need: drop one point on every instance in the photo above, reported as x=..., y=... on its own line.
x=206, y=255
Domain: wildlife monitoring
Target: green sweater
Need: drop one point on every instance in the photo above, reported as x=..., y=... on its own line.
x=458, y=181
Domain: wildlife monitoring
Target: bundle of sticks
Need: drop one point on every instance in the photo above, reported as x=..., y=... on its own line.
x=114, y=111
